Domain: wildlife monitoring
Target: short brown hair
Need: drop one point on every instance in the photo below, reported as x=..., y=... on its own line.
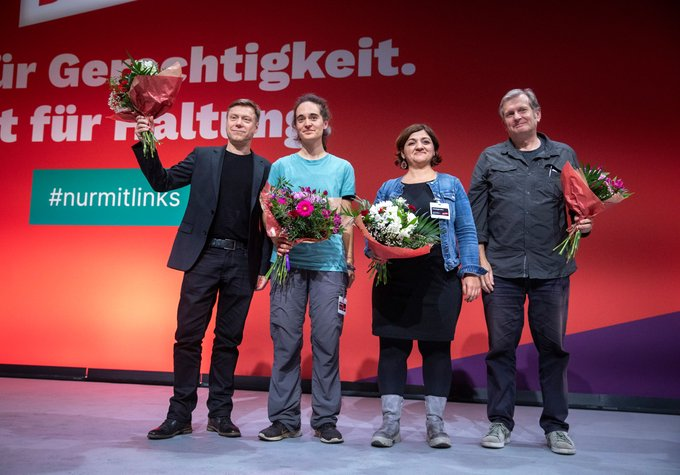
x=246, y=103
x=406, y=133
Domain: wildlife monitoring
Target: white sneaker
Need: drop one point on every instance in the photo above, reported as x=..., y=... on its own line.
x=497, y=437
x=560, y=443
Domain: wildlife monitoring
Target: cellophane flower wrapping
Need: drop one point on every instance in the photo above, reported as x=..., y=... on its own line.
x=142, y=89
x=393, y=231
x=587, y=192
x=302, y=216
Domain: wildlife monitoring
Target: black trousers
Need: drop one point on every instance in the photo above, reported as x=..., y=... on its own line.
x=392, y=368
x=219, y=275
x=547, y=315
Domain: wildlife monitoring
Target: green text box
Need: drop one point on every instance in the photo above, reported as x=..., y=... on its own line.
x=103, y=197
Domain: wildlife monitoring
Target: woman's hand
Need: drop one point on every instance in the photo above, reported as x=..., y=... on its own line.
x=472, y=285
x=283, y=246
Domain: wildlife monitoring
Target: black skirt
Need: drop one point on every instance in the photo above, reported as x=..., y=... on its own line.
x=421, y=301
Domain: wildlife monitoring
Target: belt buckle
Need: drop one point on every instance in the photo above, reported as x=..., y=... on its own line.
x=226, y=244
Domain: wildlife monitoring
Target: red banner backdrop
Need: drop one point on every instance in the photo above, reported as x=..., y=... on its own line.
x=606, y=74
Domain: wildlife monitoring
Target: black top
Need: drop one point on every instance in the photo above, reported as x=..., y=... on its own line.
x=531, y=154
x=421, y=301
x=233, y=205
x=519, y=209
x=420, y=195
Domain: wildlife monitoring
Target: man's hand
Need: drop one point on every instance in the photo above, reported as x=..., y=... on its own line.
x=487, y=279
x=144, y=124
x=261, y=282
x=584, y=225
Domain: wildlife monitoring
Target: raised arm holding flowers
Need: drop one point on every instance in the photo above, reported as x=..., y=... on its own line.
x=143, y=89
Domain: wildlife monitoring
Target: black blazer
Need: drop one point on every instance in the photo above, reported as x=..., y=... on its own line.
x=202, y=170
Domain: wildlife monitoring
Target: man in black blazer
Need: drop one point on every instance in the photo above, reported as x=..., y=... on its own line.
x=223, y=250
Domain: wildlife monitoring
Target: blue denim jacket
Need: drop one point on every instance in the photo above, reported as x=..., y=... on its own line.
x=458, y=234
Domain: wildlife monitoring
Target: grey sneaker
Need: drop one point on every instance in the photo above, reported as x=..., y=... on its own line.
x=328, y=434
x=497, y=437
x=560, y=443
x=278, y=431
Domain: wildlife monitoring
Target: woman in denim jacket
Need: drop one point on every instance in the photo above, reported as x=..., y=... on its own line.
x=423, y=296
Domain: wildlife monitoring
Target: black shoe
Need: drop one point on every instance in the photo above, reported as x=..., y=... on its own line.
x=170, y=428
x=278, y=431
x=223, y=426
x=328, y=433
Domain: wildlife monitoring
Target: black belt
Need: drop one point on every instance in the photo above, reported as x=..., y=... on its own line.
x=229, y=244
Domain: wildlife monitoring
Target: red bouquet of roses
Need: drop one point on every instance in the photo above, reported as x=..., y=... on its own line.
x=143, y=89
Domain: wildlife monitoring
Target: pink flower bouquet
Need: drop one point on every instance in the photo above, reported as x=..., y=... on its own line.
x=303, y=216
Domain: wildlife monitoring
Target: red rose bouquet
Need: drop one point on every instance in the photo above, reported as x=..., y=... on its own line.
x=587, y=191
x=142, y=89
x=303, y=216
x=393, y=231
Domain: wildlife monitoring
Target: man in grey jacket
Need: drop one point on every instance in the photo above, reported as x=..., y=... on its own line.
x=519, y=210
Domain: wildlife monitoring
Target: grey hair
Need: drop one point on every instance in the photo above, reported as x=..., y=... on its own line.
x=512, y=93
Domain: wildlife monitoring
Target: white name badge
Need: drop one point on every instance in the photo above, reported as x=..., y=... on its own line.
x=439, y=210
x=342, y=305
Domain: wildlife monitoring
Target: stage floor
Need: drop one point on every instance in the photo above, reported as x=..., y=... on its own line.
x=73, y=427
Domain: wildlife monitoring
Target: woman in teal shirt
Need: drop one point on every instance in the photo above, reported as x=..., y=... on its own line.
x=319, y=276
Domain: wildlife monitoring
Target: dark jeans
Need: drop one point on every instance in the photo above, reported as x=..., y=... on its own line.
x=547, y=312
x=392, y=368
x=217, y=272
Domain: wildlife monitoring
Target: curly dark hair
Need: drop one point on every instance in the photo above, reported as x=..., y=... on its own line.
x=403, y=138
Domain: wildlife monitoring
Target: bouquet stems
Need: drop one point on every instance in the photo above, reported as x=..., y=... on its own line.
x=149, y=140
x=570, y=244
x=379, y=270
x=280, y=269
